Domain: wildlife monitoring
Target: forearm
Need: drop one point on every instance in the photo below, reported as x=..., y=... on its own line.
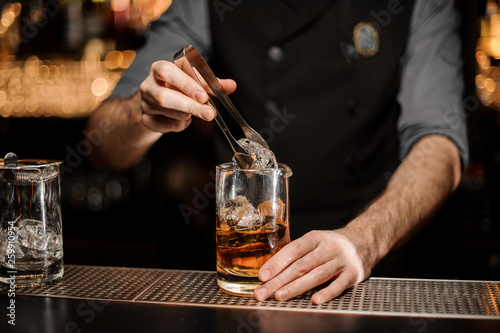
x=419, y=187
x=123, y=139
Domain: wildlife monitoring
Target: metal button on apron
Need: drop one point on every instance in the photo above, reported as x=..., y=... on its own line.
x=275, y=53
x=351, y=164
x=272, y=107
x=352, y=108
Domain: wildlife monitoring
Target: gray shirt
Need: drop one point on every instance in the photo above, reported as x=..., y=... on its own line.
x=431, y=86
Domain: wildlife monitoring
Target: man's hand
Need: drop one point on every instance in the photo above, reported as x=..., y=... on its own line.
x=170, y=97
x=416, y=191
x=312, y=260
x=167, y=100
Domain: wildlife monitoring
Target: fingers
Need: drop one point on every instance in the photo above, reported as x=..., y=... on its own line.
x=228, y=85
x=288, y=255
x=293, y=261
x=158, y=100
x=315, y=277
x=314, y=259
x=337, y=287
x=170, y=97
x=168, y=73
x=171, y=93
x=319, y=275
x=298, y=278
x=163, y=124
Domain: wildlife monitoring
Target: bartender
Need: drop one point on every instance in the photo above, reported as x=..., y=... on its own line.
x=361, y=99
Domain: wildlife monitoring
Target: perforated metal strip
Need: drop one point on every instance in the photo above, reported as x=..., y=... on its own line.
x=376, y=296
x=105, y=283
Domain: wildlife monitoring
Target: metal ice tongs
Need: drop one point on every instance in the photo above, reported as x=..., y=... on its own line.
x=189, y=57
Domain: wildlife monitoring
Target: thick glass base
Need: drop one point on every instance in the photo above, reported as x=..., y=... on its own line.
x=33, y=277
x=237, y=285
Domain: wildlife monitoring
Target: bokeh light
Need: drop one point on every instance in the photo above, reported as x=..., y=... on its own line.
x=128, y=58
x=113, y=59
x=55, y=88
x=65, y=87
x=99, y=86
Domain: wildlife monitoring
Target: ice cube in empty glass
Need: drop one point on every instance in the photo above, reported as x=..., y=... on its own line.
x=31, y=246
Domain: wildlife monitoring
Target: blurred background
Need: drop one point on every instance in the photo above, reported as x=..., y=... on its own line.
x=59, y=59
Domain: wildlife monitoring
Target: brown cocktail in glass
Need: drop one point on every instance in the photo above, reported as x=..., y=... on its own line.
x=252, y=223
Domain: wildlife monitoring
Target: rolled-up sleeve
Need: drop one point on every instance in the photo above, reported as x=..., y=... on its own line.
x=431, y=82
x=184, y=23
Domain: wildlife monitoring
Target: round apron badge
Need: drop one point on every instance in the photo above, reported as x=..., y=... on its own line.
x=366, y=39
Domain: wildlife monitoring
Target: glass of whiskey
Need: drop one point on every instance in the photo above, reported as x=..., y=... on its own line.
x=252, y=221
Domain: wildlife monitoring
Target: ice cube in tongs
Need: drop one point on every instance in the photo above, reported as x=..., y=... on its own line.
x=189, y=58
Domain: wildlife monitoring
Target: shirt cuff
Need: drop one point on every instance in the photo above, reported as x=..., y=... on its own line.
x=410, y=136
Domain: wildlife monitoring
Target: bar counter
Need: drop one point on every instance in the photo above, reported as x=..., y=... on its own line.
x=117, y=299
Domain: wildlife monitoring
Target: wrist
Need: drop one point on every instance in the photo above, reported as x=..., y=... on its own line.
x=143, y=136
x=365, y=229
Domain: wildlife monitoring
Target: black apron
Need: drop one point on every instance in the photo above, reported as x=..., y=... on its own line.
x=319, y=80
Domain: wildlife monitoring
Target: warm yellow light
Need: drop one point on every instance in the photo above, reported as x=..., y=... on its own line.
x=8, y=18
x=38, y=15
x=15, y=75
x=119, y=5
x=151, y=10
x=113, y=59
x=42, y=74
x=482, y=60
x=47, y=88
x=487, y=98
x=54, y=71
x=8, y=7
x=128, y=58
x=91, y=62
x=31, y=65
x=95, y=45
x=12, y=7
x=6, y=109
x=3, y=98
x=161, y=7
x=480, y=81
x=18, y=104
x=58, y=87
x=31, y=103
x=68, y=105
x=495, y=25
x=99, y=86
x=14, y=88
x=83, y=103
x=495, y=47
x=4, y=76
x=16, y=8
x=490, y=85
